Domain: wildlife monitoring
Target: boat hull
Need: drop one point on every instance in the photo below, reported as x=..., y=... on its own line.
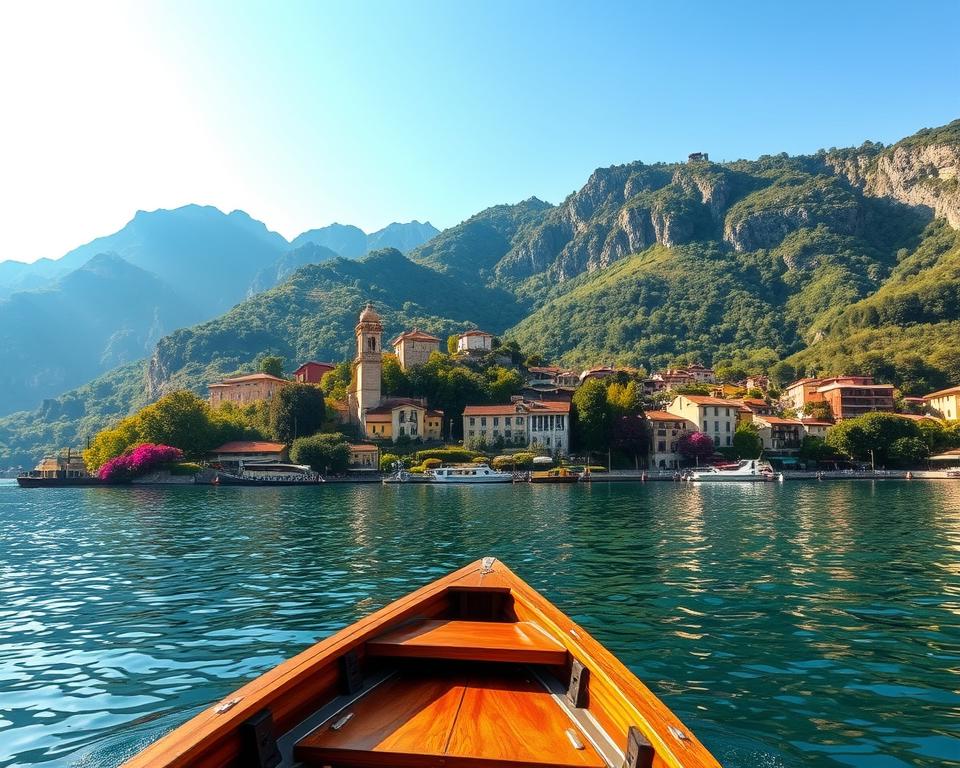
x=429, y=680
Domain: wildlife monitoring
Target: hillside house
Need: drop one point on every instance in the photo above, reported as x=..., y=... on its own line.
x=244, y=390
x=414, y=348
x=847, y=396
x=231, y=455
x=474, y=343
x=778, y=436
x=312, y=372
x=944, y=404
x=364, y=458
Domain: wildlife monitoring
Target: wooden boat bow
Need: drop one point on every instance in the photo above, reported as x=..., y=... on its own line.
x=474, y=670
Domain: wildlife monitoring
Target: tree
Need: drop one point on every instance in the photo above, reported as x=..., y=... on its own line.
x=630, y=435
x=874, y=432
x=819, y=410
x=272, y=364
x=452, y=341
x=501, y=383
x=908, y=451
x=180, y=419
x=387, y=460
x=591, y=416
x=815, y=449
x=533, y=360
x=328, y=453
x=696, y=445
x=295, y=410
x=393, y=378
x=782, y=373
x=336, y=383
x=746, y=441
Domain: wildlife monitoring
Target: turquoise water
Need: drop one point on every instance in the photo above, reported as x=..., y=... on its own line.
x=794, y=624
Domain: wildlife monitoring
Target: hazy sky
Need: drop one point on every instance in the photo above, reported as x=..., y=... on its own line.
x=307, y=113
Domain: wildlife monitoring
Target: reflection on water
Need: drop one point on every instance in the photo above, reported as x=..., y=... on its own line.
x=795, y=624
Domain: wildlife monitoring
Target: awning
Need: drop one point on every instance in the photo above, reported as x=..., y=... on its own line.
x=947, y=456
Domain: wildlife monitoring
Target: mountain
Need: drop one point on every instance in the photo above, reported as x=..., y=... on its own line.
x=287, y=264
x=95, y=318
x=352, y=242
x=207, y=256
x=313, y=313
x=843, y=261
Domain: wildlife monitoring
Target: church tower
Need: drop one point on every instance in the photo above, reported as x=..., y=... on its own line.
x=367, y=364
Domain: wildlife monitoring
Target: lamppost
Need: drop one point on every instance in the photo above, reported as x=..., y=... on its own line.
x=873, y=466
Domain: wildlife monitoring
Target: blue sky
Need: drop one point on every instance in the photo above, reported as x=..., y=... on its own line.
x=305, y=113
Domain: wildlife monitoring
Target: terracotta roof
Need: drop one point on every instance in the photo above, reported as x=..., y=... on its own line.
x=705, y=400
x=852, y=385
x=942, y=392
x=314, y=362
x=475, y=333
x=363, y=447
x=390, y=405
x=816, y=423
x=755, y=402
x=249, y=446
x=369, y=314
x=248, y=377
x=663, y=416
x=378, y=416
x=438, y=414
x=522, y=407
x=545, y=369
x=777, y=420
x=414, y=335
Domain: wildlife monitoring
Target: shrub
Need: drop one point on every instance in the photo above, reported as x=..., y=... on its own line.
x=387, y=460
x=139, y=461
x=447, y=455
x=327, y=452
x=431, y=463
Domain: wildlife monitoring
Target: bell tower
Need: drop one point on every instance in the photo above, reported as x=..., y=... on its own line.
x=367, y=364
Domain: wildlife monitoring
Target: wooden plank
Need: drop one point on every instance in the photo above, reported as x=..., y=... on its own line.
x=405, y=715
x=500, y=641
x=513, y=720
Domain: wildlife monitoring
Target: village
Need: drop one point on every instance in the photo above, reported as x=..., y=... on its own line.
x=676, y=418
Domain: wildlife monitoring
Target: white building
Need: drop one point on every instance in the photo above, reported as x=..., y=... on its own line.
x=537, y=424
x=474, y=342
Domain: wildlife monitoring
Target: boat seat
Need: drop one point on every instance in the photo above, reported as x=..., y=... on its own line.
x=518, y=642
x=464, y=720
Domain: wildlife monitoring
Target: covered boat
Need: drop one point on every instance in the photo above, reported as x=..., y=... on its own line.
x=558, y=475
x=476, y=670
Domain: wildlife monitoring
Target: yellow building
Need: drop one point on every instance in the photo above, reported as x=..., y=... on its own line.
x=364, y=457
x=711, y=415
x=403, y=417
x=944, y=404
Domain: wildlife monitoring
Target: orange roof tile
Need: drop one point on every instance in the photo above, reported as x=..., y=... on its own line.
x=250, y=446
x=942, y=392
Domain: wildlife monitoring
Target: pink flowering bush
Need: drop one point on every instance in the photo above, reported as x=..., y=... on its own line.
x=142, y=459
x=696, y=445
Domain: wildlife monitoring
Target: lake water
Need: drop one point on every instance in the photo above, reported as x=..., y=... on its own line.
x=788, y=624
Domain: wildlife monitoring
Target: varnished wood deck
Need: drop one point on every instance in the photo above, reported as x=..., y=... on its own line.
x=459, y=720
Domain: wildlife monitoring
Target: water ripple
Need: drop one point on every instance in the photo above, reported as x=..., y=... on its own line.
x=790, y=625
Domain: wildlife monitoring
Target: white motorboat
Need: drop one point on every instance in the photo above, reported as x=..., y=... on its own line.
x=468, y=473
x=746, y=471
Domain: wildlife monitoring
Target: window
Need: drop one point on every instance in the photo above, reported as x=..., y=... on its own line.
x=729, y=441
x=506, y=421
x=716, y=426
x=716, y=440
x=662, y=446
x=473, y=421
x=519, y=421
x=496, y=421
x=728, y=426
x=471, y=433
x=403, y=416
x=483, y=421
x=560, y=422
x=716, y=411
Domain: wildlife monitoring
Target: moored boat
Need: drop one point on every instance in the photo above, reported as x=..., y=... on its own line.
x=475, y=670
x=558, y=475
x=746, y=471
x=468, y=473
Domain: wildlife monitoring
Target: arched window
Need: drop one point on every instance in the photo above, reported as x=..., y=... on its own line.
x=372, y=343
